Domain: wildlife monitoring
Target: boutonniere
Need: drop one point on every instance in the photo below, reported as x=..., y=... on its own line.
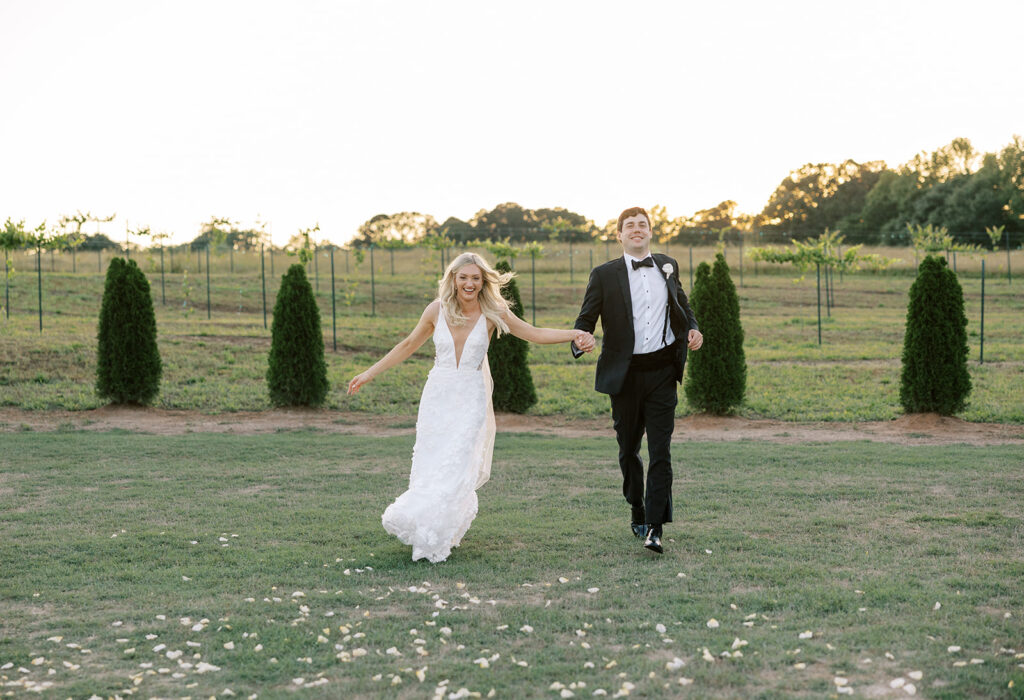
x=667, y=269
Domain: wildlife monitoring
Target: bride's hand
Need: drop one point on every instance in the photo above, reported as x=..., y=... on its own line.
x=358, y=381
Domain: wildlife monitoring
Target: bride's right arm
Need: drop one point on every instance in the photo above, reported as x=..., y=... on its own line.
x=401, y=352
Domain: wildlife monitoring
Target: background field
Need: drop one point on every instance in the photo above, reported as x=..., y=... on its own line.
x=219, y=364
x=141, y=557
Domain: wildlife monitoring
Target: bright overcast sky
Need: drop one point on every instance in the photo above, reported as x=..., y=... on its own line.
x=168, y=113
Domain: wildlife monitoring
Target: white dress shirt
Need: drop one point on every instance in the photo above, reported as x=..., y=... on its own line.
x=649, y=291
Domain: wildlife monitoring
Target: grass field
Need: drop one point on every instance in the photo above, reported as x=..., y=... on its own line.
x=205, y=565
x=219, y=364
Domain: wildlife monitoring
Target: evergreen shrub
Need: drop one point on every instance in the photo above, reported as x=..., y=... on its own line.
x=716, y=376
x=513, y=383
x=128, y=366
x=296, y=371
x=934, y=378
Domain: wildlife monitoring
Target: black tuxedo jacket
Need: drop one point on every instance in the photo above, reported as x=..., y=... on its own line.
x=608, y=298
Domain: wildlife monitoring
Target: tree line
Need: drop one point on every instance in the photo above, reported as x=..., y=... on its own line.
x=955, y=188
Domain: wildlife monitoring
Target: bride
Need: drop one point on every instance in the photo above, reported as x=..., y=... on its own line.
x=455, y=426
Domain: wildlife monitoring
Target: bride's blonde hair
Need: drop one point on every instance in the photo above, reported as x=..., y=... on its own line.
x=492, y=304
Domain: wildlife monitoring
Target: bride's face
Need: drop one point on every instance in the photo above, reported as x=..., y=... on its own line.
x=468, y=282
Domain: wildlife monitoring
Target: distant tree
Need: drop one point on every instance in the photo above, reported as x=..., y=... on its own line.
x=212, y=234
x=457, y=230
x=98, y=241
x=508, y=357
x=407, y=226
x=508, y=220
x=569, y=225
x=296, y=371
x=934, y=378
x=716, y=378
x=128, y=366
x=12, y=237
x=819, y=195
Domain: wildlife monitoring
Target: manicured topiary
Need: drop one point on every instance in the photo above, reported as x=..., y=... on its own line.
x=507, y=355
x=716, y=375
x=296, y=371
x=935, y=377
x=128, y=366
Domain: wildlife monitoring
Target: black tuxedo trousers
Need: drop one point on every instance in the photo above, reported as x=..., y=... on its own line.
x=647, y=403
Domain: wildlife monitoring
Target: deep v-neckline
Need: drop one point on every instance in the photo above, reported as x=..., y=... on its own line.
x=455, y=349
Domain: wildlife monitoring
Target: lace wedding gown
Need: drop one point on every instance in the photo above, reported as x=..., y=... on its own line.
x=454, y=442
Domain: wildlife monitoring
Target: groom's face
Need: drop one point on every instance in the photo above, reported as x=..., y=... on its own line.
x=635, y=235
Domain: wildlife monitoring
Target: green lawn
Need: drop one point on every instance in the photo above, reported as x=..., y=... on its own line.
x=197, y=564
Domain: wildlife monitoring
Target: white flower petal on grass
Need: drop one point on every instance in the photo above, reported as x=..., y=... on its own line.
x=844, y=690
x=159, y=647
x=185, y=578
x=116, y=623
x=953, y=649
x=806, y=635
x=800, y=666
x=229, y=645
x=937, y=605
x=840, y=681
x=706, y=655
x=203, y=667
x=898, y=682
x=563, y=579
x=712, y=623
x=172, y=655
x=660, y=628
x=977, y=661
x=916, y=675
x=566, y=693
x=593, y=589
x=910, y=689
x=675, y=664
x=525, y=628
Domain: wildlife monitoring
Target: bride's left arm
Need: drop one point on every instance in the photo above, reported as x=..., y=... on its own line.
x=543, y=336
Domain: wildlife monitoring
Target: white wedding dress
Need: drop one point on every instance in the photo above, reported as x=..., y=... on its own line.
x=454, y=443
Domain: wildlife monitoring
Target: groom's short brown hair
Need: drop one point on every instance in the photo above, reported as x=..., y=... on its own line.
x=632, y=211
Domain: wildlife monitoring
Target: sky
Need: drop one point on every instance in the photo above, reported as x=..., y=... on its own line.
x=292, y=114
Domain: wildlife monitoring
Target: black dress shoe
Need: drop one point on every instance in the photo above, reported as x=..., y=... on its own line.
x=653, y=542
x=639, y=530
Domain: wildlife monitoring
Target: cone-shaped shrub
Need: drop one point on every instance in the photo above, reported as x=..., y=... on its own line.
x=934, y=376
x=716, y=378
x=507, y=355
x=128, y=363
x=296, y=372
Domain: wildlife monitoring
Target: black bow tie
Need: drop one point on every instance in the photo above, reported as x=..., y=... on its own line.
x=646, y=262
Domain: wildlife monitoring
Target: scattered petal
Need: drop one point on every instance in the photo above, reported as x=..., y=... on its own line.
x=712, y=623
x=916, y=675
x=806, y=635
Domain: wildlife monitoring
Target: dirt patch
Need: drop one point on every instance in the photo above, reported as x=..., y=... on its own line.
x=917, y=429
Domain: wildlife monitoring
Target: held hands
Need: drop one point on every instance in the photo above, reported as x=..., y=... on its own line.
x=358, y=381
x=694, y=340
x=584, y=341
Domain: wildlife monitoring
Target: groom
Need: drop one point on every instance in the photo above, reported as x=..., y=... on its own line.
x=648, y=327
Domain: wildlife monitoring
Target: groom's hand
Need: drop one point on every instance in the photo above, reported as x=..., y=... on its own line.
x=584, y=341
x=694, y=339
